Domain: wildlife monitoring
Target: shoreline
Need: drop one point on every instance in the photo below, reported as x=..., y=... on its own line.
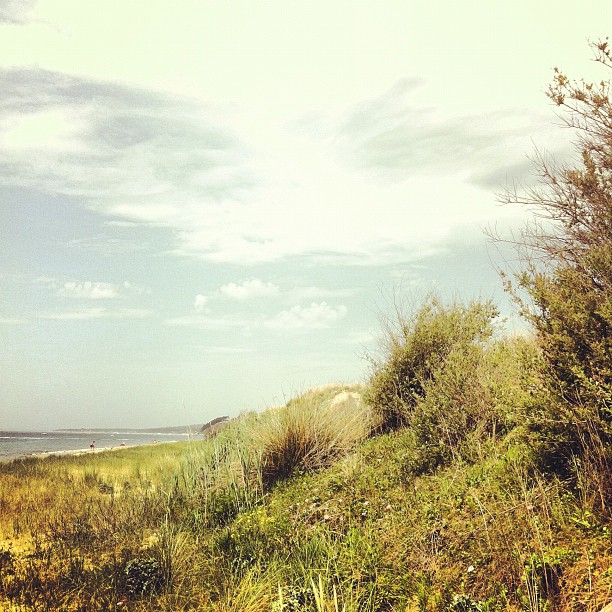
x=84, y=451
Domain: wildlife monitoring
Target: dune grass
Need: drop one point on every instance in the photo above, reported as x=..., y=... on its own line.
x=311, y=431
x=112, y=530
x=303, y=507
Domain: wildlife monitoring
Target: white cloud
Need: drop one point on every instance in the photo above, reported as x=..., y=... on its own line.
x=391, y=138
x=210, y=323
x=135, y=289
x=15, y=11
x=200, y=302
x=319, y=315
x=87, y=314
x=107, y=246
x=316, y=316
x=89, y=290
x=12, y=321
x=233, y=194
x=254, y=288
x=55, y=130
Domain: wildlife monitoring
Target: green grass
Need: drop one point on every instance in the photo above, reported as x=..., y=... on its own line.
x=303, y=508
x=311, y=431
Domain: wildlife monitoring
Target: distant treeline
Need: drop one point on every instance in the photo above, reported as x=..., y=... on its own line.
x=211, y=424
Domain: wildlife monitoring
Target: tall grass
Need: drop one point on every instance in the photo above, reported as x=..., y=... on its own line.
x=311, y=432
x=302, y=508
x=117, y=529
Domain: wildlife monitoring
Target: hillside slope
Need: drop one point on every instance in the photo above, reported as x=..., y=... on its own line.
x=339, y=520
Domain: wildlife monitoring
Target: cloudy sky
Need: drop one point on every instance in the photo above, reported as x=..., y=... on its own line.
x=206, y=204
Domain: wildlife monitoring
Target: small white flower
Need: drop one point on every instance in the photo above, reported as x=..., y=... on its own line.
x=470, y=569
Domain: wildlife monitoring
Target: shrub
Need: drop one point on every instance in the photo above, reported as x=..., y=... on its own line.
x=416, y=349
x=455, y=389
x=567, y=277
x=464, y=603
x=143, y=576
x=478, y=397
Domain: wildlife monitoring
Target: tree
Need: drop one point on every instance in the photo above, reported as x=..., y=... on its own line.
x=567, y=276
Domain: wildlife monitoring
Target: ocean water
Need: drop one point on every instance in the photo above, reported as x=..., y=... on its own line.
x=15, y=444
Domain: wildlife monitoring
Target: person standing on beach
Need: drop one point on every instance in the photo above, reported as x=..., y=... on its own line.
x=92, y=445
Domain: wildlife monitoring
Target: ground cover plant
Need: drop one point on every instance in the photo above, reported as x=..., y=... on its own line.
x=373, y=525
x=469, y=473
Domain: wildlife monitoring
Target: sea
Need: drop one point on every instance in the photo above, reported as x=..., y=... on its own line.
x=14, y=444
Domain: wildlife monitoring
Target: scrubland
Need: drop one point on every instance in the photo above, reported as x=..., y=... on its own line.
x=441, y=497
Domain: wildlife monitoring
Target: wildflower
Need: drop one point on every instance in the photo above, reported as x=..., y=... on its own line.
x=470, y=569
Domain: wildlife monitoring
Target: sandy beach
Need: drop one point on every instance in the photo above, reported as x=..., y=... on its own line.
x=40, y=446
x=96, y=450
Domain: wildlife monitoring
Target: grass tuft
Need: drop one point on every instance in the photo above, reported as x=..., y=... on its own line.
x=311, y=432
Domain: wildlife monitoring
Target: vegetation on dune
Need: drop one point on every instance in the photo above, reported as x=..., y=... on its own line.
x=196, y=525
x=311, y=431
x=565, y=289
x=471, y=473
x=155, y=527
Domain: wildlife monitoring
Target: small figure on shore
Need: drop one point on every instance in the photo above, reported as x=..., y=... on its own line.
x=92, y=445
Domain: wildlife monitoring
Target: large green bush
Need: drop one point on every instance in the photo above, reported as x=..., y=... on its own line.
x=443, y=377
x=567, y=278
x=417, y=347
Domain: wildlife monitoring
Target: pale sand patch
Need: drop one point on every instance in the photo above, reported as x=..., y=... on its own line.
x=345, y=396
x=79, y=451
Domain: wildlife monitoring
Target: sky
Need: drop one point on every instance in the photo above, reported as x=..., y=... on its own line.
x=207, y=205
